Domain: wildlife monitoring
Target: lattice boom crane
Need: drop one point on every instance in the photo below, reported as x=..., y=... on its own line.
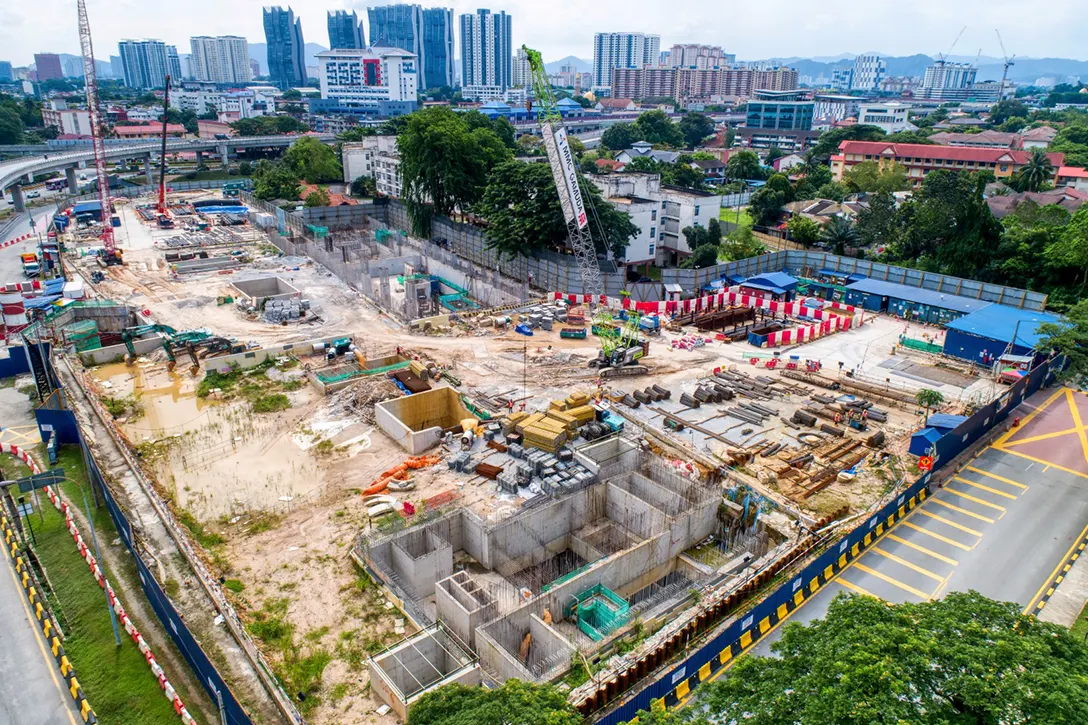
x=565, y=172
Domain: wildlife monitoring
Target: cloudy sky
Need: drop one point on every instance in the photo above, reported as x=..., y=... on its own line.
x=752, y=30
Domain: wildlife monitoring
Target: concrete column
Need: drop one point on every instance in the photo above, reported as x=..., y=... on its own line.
x=73, y=182
x=199, y=158
x=224, y=154
x=17, y=198
x=147, y=171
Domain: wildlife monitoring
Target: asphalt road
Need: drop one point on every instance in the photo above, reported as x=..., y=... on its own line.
x=31, y=689
x=1000, y=527
x=11, y=268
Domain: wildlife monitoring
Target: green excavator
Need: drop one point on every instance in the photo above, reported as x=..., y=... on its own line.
x=172, y=341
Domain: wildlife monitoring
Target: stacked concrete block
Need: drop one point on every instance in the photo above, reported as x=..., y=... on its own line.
x=462, y=462
x=278, y=311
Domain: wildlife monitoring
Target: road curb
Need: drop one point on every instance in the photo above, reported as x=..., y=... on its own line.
x=1060, y=572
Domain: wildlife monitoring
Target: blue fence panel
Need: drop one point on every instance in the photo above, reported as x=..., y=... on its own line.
x=62, y=422
x=16, y=363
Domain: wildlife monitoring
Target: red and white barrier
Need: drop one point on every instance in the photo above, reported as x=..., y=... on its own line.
x=99, y=577
x=23, y=238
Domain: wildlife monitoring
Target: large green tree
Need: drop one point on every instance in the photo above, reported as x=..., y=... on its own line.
x=515, y=703
x=765, y=206
x=445, y=164
x=657, y=128
x=1006, y=109
x=960, y=660
x=1070, y=338
x=870, y=176
x=1035, y=174
x=828, y=143
x=877, y=224
x=11, y=127
x=313, y=160
x=275, y=180
x=838, y=233
x=523, y=214
x=804, y=230
x=619, y=136
x=745, y=166
x=268, y=126
x=695, y=127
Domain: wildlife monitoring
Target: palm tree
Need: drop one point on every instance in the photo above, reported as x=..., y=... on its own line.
x=1036, y=172
x=839, y=232
x=929, y=399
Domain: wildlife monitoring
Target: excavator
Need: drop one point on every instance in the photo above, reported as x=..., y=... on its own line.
x=621, y=349
x=188, y=340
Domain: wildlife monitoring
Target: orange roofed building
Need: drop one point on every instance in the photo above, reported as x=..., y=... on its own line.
x=920, y=159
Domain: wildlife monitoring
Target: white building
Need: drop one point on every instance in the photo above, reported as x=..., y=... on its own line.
x=691, y=55
x=892, y=117
x=486, y=49
x=223, y=59
x=842, y=78
x=359, y=156
x=833, y=108
x=250, y=102
x=56, y=114
x=367, y=76
x=950, y=81
x=869, y=70
x=487, y=94
x=387, y=174
x=521, y=75
x=622, y=50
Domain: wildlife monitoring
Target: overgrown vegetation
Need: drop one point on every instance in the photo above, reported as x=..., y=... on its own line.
x=300, y=666
x=264, y=394
x=126, y=406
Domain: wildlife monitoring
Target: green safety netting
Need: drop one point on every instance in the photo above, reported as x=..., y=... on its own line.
x=600, y=612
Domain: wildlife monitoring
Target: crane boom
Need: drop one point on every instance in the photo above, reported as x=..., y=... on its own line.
x=162, y=154
x=565, y=173
x=90, y=81
x=1005, y=71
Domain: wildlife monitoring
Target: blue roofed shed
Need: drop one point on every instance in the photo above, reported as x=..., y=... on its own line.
x=944, y=422
x=987, y=333
x=922, y=441
x=779, y=284
x=916, y=303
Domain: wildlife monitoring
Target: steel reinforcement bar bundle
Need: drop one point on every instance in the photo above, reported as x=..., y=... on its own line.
x=207, y=581
x=115, y=603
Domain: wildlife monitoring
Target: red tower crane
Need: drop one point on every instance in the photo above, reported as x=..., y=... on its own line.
x=112, y=255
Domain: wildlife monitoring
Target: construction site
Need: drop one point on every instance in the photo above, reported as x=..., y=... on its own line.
x=426, y=471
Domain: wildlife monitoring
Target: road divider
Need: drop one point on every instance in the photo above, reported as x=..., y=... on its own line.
x=100, y=577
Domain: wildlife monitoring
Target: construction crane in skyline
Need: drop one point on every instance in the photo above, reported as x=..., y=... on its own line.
x=1008, y=62
x=161, y=208
x=943, y=57
x=111, y=255
x=565, y=173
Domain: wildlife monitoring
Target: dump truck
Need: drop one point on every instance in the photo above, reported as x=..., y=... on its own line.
x=31, y=266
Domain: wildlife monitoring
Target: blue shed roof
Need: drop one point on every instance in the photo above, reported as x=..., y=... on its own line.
x=999, y=322
x=774, y=279
x=921, y=441
x=918, y=295
x=85, y=207
x=765, y=287
x=566, y=102
x=944, y=421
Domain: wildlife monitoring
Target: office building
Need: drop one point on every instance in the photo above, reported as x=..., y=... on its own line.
x=173, y=63
x=144, y=63
x=374, y=81
x=948, y=81
x=891, y=117
x=48, y=66
x=830, y=108
x=345, y=30
x=224, y=59
x=779, y=110
x=920, y=159
x=622, y=50
x=869, y=70
x=5, y=72
x=842, y=78
x=436, y=60
x=699, y=56
x=486, y=49
x=286, y=48
x=117, y=69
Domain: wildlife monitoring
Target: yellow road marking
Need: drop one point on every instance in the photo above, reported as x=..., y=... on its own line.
x=976, y=499
x=1065, y=558
x=963, y=511
x=953, y=524
x=1046, y=404
x=909, y=565
x=1040, y=460
x=938, y=537
x=1078, y=423
x=924, y=550
x=892, y=581
x=988, y=489
x=999, y=478
x=1043, y=437
x=50, y=663
x=855, y=588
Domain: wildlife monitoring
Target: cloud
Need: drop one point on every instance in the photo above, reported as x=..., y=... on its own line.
x=770, y=28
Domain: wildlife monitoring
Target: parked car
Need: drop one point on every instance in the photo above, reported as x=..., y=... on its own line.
x=33, y=194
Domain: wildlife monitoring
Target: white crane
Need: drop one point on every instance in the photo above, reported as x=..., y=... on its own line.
x=1008, y=62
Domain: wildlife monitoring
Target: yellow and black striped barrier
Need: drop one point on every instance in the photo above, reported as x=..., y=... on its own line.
x=756, y=624
x=1059, y=574
x=44, y=617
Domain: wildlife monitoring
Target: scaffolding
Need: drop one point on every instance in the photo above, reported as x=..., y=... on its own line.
x=600, y=612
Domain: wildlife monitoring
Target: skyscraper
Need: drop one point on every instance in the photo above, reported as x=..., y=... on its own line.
x=220, y=60
x=486, y=50
x=117, y=70
x=173, y=63
x=436, y=60
x=5, y=72
x=622, y=50
x=345, y=30
x=144, y=63
x=869, y=70
x=521, y=75
x=286, y=48
x=397, y=26
x=48, y=67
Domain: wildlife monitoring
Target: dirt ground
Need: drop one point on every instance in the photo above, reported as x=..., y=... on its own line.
x=276, y=493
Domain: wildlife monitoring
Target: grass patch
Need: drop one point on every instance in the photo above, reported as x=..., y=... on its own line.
x=271, y=403
x=207, y=539
x=234, y=585
x=263, y=521
x=7, y=382
x=300, y=672
x=127, y=405
x=324, y=447
x=30, y=391
x=1080, y=627
x=116, y=680
x=292, y=385
x=730, y=215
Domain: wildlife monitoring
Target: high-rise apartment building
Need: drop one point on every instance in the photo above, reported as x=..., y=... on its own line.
x=286, y=48
x=869, y=70
x=117, y=70
x=948, y=81
x=521, y=75
x=144, y=63
x=436, y=61
x=486, y=51
x=224, y=59
x=173, y=63
x=5, y=72
x=345, y=30
x=842, y=78
x=699, y=56
x=699, y=84
x=397, y=26
x=48, y=66
x=622, y=50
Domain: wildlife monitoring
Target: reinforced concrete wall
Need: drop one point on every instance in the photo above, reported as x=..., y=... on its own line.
x=542, y=531
x=609, y=458
x=420, y=559
x=253, y=358
x=463, y=605
x=261, y=289
x=418, y=422
x=432, y=658
x=112, y=353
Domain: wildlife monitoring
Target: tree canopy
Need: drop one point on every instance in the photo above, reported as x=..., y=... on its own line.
x=1070, y=338
x=523, y=214
x=874, y=176
x=516, y=702
x=445, y=162
x=268, y=126
x=657, y=128
x=695, y=127
x=744, y=165
x=313, y=160
x=960, y=660
x=619, y=136
x=275, y=180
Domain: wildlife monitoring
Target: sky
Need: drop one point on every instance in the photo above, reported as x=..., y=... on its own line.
x=752, y=30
